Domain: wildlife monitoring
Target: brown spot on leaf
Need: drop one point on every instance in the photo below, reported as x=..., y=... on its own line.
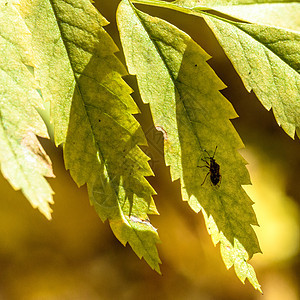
x=31, y=142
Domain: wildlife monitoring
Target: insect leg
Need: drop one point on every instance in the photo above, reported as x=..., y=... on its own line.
x=205, y=178
x=207, y=166
x=207, y=163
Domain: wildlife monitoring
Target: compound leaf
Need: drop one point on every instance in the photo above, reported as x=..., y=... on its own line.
x=23, y=160
x=183, y=93
x=265, y=57
x=91, y=109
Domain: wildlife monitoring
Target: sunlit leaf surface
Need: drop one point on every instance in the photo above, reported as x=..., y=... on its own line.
x=91, y=109
x=184, y=97
x=265, y=57
x=23, y=161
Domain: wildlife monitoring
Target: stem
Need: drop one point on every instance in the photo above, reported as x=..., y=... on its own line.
x=198, y=11
x=159, y=3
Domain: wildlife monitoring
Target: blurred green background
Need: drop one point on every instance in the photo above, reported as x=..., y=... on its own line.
x=76, y=256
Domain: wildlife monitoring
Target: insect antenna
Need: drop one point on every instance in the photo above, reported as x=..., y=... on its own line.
x=215, y=152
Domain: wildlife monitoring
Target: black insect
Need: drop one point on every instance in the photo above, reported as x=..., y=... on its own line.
x=214, y=169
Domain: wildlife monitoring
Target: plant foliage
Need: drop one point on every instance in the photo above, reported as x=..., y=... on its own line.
x=266, y=57
x=57, y=51
x=23, y=161
x=92, y=117
x=172, y=72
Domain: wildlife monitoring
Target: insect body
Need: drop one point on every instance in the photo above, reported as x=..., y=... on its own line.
x=214, y=169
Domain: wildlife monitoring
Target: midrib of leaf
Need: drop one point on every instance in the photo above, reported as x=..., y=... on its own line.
x=78, y=86
x=98, y=146
x=173, y=79
x=71, y=65
x=242, y=27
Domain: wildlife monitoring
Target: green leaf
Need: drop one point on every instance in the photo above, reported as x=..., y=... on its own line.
x=24, y=162
x=92, y=115
x=265, y=57
x=184, y=97
x=267, y=60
